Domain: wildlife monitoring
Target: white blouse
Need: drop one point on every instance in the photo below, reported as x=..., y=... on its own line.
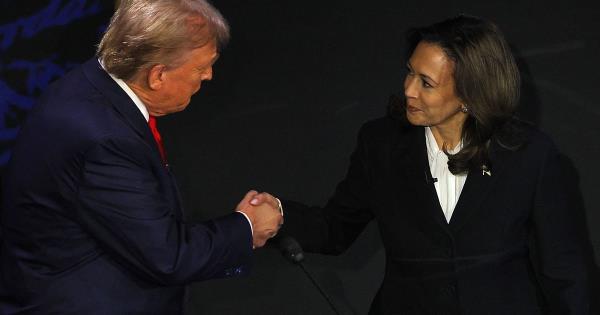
x=448, y=186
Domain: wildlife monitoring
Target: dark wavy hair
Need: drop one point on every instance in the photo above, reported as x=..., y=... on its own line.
x=486, y=78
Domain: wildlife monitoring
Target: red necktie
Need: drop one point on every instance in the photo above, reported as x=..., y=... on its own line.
x=157, y=138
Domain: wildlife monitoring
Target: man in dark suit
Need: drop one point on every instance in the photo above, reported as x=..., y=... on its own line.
x=91, y=219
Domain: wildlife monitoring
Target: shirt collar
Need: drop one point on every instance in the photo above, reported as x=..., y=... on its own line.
x=136, y=100
x=432, y=147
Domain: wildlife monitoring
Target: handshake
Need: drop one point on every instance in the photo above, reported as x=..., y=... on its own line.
x=264, y=213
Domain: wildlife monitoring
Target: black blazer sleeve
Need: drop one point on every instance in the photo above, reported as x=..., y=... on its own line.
x=562, y=269
x=332, y=229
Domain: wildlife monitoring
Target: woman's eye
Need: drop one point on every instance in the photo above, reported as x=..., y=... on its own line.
x=425, y=84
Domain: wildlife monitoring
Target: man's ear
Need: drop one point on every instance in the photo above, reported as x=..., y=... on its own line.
x=156, y=77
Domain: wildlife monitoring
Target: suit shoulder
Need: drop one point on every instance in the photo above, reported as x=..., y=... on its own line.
x=529, y=144
x=76, y=118
x=518, y=135
x=71, y=83
x=536, y=139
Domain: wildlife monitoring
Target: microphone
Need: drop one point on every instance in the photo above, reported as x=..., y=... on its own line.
x=292, y=251
x=430, y=179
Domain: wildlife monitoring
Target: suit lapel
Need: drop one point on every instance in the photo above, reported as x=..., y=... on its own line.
x=477, y=186
x=123, y=104
x=410, y=164
x=119, y=100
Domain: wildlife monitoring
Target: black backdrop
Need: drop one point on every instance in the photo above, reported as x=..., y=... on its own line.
x=290, y=92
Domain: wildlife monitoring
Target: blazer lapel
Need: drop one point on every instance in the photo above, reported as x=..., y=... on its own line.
x=410, y=164
x=477, y=186
x=119, y=100
x=132, y=116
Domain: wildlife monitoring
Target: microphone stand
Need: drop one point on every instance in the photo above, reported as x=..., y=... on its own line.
x=292, y=251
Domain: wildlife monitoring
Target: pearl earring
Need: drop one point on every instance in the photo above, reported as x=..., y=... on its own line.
x=464, y=109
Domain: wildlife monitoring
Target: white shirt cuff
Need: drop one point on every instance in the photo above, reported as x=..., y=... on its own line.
x=280, y=206
x=249, y=222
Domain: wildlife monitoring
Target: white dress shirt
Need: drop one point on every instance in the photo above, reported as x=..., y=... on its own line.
x=136, y=100
x=448, y=186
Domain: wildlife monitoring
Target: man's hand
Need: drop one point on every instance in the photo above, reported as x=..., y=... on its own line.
x=264, y=214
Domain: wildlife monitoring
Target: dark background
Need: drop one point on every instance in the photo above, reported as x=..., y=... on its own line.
x=287, y=98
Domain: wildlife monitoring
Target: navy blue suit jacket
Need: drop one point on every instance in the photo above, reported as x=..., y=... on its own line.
x=91, y=219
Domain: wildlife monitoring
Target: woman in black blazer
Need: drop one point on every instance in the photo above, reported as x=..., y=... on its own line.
x=459, y=188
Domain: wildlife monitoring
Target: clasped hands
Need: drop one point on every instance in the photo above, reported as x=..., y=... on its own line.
x=264, y=214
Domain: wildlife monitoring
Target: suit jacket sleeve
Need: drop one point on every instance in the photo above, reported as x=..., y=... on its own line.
x=122, y=204
x=332, y=229
x=562, y=269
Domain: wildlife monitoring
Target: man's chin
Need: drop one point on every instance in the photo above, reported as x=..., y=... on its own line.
x=183, y=106
x=172, y=109
x=180, y=107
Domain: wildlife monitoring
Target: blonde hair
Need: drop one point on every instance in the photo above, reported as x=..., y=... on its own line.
x=143, y=33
